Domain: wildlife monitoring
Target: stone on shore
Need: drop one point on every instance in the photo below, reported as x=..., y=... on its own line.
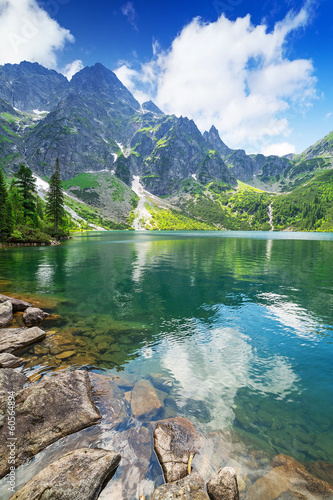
x=223, y=485
x=34, y=316
x=15, y=339
x=10, y=381
x=47, y=411
x=175, y=440
x=144, y=400
x=9, y=360
x=289, y=479
x=6, y=313
x=80, y=474
x=18, y=304
x=189, y=488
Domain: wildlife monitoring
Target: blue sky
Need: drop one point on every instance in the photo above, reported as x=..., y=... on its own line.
x=260, y=71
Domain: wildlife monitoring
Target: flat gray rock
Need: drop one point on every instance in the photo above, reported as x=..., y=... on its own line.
x=34, y=316
x=18, y=304
x=47, y=411
x=9, y=360
x=175, y=440
x=15, y=339
x=78, y=475
x=223, y=485
x=6, y=313
x=189, y=488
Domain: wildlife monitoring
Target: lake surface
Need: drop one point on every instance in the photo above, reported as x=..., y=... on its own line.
x=240, y=323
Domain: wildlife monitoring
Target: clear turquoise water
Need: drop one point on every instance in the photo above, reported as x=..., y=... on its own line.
x=242, y=323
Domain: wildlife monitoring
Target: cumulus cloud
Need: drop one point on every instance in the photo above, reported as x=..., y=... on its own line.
x=128, y=11
x=279, y=149
x=27, y=32
x=70, y=69
x=232, y=74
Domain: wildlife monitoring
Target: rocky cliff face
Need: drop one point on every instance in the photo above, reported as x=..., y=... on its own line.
x=94, y=123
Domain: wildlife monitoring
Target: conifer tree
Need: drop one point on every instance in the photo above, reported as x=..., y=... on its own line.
x=55, y=198
x=26, y=185
x=6, y=212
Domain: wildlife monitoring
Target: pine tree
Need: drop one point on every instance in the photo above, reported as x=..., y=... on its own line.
x=26, y=185
x=6, y=211
x=55, y=198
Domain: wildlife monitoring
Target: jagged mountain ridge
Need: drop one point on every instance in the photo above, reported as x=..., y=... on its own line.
x=94, y=123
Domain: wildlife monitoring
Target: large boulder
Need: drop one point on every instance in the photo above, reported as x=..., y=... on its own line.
x=15, y=339
x=289, y=479
x=6, y=313
x=223, y=485
x=189, y=488
x=47, y=411
x=18, y=304
x=175, y=441
x=80, y=474
x=144, y=400
x=34, y=316
x=9, y=360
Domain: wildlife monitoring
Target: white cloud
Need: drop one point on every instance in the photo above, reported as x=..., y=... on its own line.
x=70, y=69
x=232, y=74
x=328, y=115
x=279, y=149
x=27, y=32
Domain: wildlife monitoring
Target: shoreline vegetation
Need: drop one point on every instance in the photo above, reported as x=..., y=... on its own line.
x=40, y=411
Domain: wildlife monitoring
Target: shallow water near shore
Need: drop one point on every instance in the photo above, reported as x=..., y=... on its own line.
x=240, y=324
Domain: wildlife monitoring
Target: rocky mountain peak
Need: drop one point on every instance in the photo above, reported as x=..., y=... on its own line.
x=98, y=80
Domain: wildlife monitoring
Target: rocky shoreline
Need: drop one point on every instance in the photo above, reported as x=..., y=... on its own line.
x=110, y=427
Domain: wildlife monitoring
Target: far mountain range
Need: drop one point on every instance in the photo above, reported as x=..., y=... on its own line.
x=107, y=144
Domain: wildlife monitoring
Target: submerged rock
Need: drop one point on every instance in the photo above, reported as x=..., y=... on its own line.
x=189, y=488
x=223, y=485
x=6, y=313
x=78, y=475
x=144, y=400
x=18, y=304
x=9, y=360
x=175, y=440
x=15, y=339
x=34, y=316
x=110, y=400
x=135, y=447
x=45, y=412
x=289, y=479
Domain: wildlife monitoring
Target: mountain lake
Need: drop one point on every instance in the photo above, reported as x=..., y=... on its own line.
x=238, y=324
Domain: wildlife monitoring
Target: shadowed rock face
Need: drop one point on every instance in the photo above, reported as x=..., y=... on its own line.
x=223, y=485
x=46, y=412
x=78, y=475
x=6, y=313
x=15, y=339
x=190, y=488
x=175, y=440
x=289, y=479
